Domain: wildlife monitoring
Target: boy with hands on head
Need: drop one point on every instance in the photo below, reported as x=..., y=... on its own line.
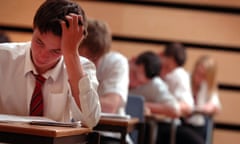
x=70, y=87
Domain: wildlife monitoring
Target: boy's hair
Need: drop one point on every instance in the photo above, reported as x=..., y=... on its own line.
x=49, y=14
x=99, y=38
x=176, y=51
x=210, y=66
x=151, y=63
x=4, y=37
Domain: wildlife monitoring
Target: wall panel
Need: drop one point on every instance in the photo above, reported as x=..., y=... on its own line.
x=226, y=137
x=167, y=23
x=223, y=3
x=19, y=36
x=18, y=12
x=230, y=106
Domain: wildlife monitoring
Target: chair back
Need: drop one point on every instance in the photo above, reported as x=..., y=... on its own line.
x=209, y=127
x=135, y=108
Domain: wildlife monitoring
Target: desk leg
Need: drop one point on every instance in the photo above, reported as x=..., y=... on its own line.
x=173, y=133
x=123, y=137
x=93, y=138
x=141, y=130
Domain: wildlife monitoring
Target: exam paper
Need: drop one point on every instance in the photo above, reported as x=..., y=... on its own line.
x=112, y=115
x=34, y=120
x=23, y=119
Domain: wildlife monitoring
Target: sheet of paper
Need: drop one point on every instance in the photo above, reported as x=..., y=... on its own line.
x=61, y=124
x=36, y=121
x=24, y=119
x=112, y=115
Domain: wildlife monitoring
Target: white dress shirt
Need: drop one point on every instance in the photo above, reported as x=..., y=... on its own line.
x=202, y=98
x=113, y=76
x=17, y=85
x=156, y=90
x=178, y=82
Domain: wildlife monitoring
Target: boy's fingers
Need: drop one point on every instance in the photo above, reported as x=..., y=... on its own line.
x=63, y=25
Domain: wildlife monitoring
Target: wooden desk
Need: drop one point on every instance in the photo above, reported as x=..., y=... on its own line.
x=155, y=117
x=123, y=126
x=23, y=133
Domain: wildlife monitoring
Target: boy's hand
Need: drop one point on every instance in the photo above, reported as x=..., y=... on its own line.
x=71, y=35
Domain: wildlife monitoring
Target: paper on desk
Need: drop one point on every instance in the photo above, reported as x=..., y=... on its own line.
x=36, y=121
x=23, y=119
x=60, y=124
x=112, y=115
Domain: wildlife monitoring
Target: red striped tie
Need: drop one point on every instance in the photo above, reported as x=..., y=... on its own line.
x=36, y=106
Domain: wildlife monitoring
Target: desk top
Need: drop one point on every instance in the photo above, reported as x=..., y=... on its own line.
x=118, y=122
x=49, y=131
x=156, y=117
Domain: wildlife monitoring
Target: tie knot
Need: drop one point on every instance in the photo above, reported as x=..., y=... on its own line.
x=40, y=78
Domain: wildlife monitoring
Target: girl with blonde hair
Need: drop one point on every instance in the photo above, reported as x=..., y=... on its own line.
x=205, y=93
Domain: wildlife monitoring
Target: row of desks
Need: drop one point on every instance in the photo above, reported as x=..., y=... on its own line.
x=34, y=134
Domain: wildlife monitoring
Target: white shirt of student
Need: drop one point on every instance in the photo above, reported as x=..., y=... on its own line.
x=156, y=90
x=113, y=76
x=202, y=98
x=17, y=85
x=178, y=82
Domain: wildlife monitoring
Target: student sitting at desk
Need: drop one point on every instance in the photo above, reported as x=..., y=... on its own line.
x=46, y=76
x=112, y=72
x=145, y=81
x=204, y=88
x=176, y=77
x=178, y=81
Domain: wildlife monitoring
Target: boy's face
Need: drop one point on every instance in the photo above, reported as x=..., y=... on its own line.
x=168, y=64
x=45, y=50
x=137, y=75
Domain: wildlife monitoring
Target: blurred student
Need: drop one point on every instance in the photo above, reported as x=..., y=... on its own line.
x=145, y=81
x=205, y=94
x=46, y=76
x=112, y=72
x=176, y=77
x=4, y=37
x=178, y=81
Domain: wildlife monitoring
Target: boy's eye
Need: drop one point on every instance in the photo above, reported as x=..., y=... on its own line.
x=56, y=51
x=39, y=42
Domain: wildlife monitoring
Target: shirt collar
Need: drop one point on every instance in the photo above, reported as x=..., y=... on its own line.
x=29, y=67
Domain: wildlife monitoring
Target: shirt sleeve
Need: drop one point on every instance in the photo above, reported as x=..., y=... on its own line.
x=114, y=76
x=180, y=88
x=165, y=97
x=89, y=99
x=215, y=100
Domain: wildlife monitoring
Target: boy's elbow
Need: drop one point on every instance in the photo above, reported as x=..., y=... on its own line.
x=92, y=121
